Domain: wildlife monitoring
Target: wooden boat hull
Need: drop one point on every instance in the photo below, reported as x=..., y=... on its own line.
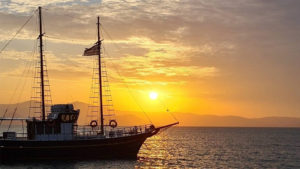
x=110, y=148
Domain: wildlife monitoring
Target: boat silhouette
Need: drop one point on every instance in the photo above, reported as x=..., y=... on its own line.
x=56, y=136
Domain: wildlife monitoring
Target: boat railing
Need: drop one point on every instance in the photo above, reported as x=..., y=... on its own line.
x=88, y=132
x=109, y=132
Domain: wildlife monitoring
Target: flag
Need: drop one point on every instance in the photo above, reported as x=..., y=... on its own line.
x=91, y=51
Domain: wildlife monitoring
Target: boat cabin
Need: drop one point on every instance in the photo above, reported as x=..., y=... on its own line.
x=58, y=126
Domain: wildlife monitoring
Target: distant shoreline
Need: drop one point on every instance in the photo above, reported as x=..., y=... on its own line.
x=185, y=119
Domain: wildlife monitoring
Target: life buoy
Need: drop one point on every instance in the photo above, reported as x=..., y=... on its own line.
x=50, y=122
x=113, y=123
x=93, y=123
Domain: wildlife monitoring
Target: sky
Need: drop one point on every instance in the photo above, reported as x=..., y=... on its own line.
x=217, y=57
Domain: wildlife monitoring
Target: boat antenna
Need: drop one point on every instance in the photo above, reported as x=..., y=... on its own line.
x=42, y=65
x=100, y=78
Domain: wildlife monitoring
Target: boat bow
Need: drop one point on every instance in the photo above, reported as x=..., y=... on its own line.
x=166, y=126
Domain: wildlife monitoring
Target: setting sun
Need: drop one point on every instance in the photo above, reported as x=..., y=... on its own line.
x=182, y=84
x=153, y=95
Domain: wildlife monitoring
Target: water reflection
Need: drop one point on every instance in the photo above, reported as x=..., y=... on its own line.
x=154, y=152
x=222, y=148
x=164, y=151
x=205, y=148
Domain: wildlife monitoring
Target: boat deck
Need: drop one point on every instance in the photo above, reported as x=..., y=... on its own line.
x=88, y=132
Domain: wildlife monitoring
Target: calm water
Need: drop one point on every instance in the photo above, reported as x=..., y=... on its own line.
x=183, y=147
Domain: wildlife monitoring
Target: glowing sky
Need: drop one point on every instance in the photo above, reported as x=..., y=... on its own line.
x=200, y=56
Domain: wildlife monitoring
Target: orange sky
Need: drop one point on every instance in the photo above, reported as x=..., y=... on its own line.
x=202, y=57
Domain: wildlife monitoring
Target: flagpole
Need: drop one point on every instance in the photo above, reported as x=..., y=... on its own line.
x=100, y=78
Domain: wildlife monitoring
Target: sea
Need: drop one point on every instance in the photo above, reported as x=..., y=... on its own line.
x=202, y=147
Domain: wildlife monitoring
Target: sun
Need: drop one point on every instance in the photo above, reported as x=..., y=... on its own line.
x=153, y=95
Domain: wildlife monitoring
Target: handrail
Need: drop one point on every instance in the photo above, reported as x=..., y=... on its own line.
x=85, y=132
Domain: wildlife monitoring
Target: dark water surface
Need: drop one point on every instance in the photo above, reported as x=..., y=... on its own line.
x=200, y=147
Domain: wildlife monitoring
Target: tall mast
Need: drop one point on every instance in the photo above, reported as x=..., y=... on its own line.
x=100, y=78
x=42, y=65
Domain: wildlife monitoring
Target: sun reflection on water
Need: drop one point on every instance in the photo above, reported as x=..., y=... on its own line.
x=154, y=152
x=198, y=147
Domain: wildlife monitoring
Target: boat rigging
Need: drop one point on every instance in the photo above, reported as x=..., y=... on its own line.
x=57, y=135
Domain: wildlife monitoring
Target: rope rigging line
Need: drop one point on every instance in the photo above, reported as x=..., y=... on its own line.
x=124, y=80
x=3, y=116
x=33, y=82
x=19, y=30
x=106, y=32
x=126, y=85
x=11, y=119
x=27, y=69
x=60, y=39
x=131, y=93
x=25, y=73
x=165, y=105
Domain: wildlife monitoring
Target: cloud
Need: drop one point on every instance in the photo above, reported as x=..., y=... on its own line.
x=69, y=74
x=237, y=48
x=161, y=63
x=16, y=63
x=26, y=6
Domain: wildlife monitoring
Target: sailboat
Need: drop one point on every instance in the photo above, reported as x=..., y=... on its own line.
x=56, y=136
